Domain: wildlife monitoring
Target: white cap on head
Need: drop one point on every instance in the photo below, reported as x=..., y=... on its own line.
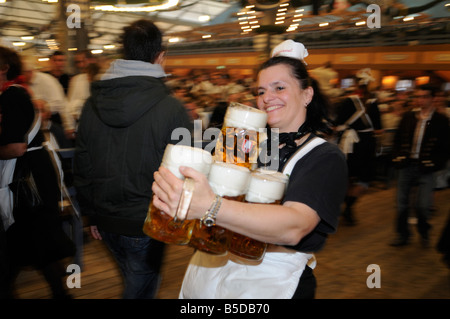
x=291, y=49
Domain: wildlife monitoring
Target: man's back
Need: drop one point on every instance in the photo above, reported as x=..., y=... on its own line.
x=124, y=128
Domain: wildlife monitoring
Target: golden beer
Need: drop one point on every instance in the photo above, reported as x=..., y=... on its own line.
x=162, y=226
x=240, y=138
x=230, y=182
x=266, y=188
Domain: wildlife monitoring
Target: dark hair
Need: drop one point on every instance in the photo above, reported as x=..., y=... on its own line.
x=142, y=41
x=9, y=58
x=433, y=89
x=317, y=117
x=56, y=53
x=86, y=52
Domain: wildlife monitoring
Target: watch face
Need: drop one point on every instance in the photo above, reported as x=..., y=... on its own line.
x=208, y=222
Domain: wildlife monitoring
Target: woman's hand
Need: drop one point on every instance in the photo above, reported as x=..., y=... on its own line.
x=167, y=190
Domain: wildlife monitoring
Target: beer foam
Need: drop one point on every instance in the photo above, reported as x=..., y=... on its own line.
x=182, y=155
x=246, y=117
x=266, y=188
x=228, y=179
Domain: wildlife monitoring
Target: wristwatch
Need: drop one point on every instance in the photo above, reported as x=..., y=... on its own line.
x=209, y=219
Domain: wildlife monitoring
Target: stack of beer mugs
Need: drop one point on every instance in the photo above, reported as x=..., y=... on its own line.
x=229, y=181
x=232, y=175
x=162, y=226
x=240, y=136
x=265, y=187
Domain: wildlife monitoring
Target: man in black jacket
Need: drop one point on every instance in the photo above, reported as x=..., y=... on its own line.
x=421, y=147
x=124, y=128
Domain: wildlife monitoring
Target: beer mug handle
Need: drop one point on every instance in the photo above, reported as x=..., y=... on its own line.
x=185, y=200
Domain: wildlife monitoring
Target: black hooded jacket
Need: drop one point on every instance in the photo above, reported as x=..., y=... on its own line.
x=123, y=131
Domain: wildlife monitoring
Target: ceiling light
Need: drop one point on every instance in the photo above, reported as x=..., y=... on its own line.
x=18, y=44
x=96, y=51
x=360, y=23
x=174, y=40
x=206, y=36
x=204, y=18
x=323, y=24
x=43, y=59
x=109, y=46
x=167, y=5
x=27, y=38
x=408, y=19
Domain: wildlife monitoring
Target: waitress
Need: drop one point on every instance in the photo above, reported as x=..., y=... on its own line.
x=295, y=229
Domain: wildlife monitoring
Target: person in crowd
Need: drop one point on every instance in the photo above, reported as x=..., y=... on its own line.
x=327, y=78
x=34, y=236
x=83, y=59
x=58, y=61
x=45, y=87
x=80, y=88
x=358, y=121
x=53, y=132
x=182, y=94
x=421, y=148
x=202, y=84
x=310, y=209
x=123, y=131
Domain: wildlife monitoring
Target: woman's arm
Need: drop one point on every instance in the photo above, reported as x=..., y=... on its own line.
x=283, y=224
x=12, y=150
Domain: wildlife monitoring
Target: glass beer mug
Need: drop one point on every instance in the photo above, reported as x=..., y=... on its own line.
x=229, y=181
x=239, y=140
x=161, y=226
x=265, y=188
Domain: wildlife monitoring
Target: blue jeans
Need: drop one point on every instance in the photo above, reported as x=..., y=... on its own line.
x=409, y=178
x=139, y=259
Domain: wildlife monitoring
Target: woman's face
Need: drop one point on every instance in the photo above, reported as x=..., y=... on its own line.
x=281, y=97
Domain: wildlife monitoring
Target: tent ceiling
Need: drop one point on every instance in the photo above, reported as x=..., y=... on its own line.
x=40, y=18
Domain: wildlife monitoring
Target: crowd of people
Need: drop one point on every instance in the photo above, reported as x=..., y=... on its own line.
x=119, y=120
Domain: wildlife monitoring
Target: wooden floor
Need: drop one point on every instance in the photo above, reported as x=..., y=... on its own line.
x=410, y=272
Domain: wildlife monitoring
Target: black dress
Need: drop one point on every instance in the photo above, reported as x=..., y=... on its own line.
x=36, y=238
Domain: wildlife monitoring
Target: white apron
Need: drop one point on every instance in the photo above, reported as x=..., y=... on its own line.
x=276, y=276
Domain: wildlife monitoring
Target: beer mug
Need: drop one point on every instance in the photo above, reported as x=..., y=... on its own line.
x=162, y=226
x=240, y=138
x=266, y=188
x=229, y=181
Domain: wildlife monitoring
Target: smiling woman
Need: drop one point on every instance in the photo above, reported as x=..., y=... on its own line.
x=309, y=211
x=281, y=98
